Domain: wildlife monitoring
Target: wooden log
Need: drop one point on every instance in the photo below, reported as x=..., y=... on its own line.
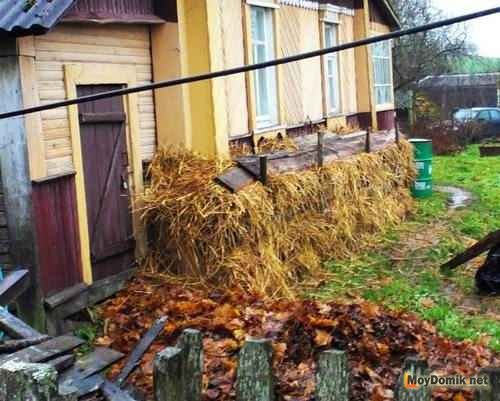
x=474, y=251
x=493, y=392
x=414, y=367
x=16, y=345
x=332, y=377
x=27, y=381
x=138, y=352
x=191, y=343
x=168, y=375
x=15, y=327
x=254, y=375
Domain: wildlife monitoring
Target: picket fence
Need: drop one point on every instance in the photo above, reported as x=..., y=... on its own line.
x=178, y=374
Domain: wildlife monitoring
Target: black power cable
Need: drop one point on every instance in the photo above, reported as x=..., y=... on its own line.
x=252, y=67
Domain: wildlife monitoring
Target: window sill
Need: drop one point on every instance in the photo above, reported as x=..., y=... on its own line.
x=269, y=129
x=385, y=107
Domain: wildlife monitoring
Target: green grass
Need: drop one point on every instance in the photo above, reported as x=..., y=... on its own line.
x=415, y=283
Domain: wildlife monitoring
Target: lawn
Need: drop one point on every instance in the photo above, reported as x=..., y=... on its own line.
x=402, y=271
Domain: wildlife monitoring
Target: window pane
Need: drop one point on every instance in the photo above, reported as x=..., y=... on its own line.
x=265, y=80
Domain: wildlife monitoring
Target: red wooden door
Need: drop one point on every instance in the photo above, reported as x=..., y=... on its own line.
x=105, y=164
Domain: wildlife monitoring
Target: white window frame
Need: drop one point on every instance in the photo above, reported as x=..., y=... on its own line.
x=390, y=85
x=269, y=118
x=332, y=77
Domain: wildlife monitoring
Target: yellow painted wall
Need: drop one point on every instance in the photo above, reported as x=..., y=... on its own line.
x=78, y=43
x=169, y=102
x=201, y=46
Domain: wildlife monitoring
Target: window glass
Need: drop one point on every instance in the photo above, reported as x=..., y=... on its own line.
x=265, y=86
x=382, y=69
x=484, y=115
x=332, y=69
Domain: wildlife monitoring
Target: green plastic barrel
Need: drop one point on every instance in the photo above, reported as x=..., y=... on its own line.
x=422, y=187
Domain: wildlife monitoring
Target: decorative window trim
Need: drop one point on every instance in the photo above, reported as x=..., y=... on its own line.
x=262, y=3
x=314, y=5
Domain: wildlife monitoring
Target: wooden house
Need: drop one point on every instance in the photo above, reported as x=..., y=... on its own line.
x=71, y=175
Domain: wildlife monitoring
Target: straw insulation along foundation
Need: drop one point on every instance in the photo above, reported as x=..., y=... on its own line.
x=270, y=239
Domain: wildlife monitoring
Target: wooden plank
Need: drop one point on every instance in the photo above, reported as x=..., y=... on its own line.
x=136, y=356
x=45, y=351
x=235, y=179
x=82, y=387
x=103, y=289
x=13, y=285
x=16, y=345
x=62, y=363
x=106, y=117
x=477, y=249
x=89, y=365
x=15, y=327
x=113, y=392
x=64, y=296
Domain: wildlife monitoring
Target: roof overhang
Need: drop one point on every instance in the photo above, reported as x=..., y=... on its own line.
x=389, y=12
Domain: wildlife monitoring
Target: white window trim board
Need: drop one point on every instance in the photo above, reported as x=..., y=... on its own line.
x=262, y=3
x=314, y=5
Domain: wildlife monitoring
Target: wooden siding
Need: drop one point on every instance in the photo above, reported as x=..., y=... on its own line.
x=347, y=66
x=290, y=32
x=56, y=224
x=233, y=55
x=311, y=69
x=78, y=43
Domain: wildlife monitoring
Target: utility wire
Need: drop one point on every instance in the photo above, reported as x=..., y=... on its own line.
x=252, y=67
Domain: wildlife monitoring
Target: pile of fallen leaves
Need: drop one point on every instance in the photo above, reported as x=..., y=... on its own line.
x=376, y=340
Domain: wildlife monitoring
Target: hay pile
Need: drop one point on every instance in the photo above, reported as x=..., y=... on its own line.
x=269, y=239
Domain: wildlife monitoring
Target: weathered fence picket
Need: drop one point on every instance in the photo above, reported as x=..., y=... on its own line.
x=493, y=393
x=191, y=343
x=332, y=377
x=254, y=375
x=416, y=367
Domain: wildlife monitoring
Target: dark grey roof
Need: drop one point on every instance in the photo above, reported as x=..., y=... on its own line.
x=460, y=80
x=25, y=17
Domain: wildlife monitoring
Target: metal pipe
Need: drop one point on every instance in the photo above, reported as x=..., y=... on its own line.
x=252, y=67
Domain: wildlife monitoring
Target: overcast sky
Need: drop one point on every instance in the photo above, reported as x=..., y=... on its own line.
x=484, y=32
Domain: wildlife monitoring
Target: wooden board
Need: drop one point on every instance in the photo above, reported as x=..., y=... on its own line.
x=13, y=285
x=15, y=327
x=45, y=351
x=63, y=362
x=82, y=387
x=235, y=179
x=64, y=296
x=89, y=365
x=114, y=393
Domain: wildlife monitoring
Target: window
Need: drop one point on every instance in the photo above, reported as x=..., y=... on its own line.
x=266, y=104
x=484, y=116
x=332, y=69
x=382, y=72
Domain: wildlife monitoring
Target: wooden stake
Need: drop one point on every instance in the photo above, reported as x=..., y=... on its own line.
x=263, y=169
x=321, y=136
x=191, y=343
x=168, y=375
x=368, y=145
x=396, y=128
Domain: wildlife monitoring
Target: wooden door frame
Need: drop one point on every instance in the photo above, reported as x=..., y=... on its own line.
x=105, y=74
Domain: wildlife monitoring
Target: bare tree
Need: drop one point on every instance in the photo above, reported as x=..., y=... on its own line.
x=431, y=52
